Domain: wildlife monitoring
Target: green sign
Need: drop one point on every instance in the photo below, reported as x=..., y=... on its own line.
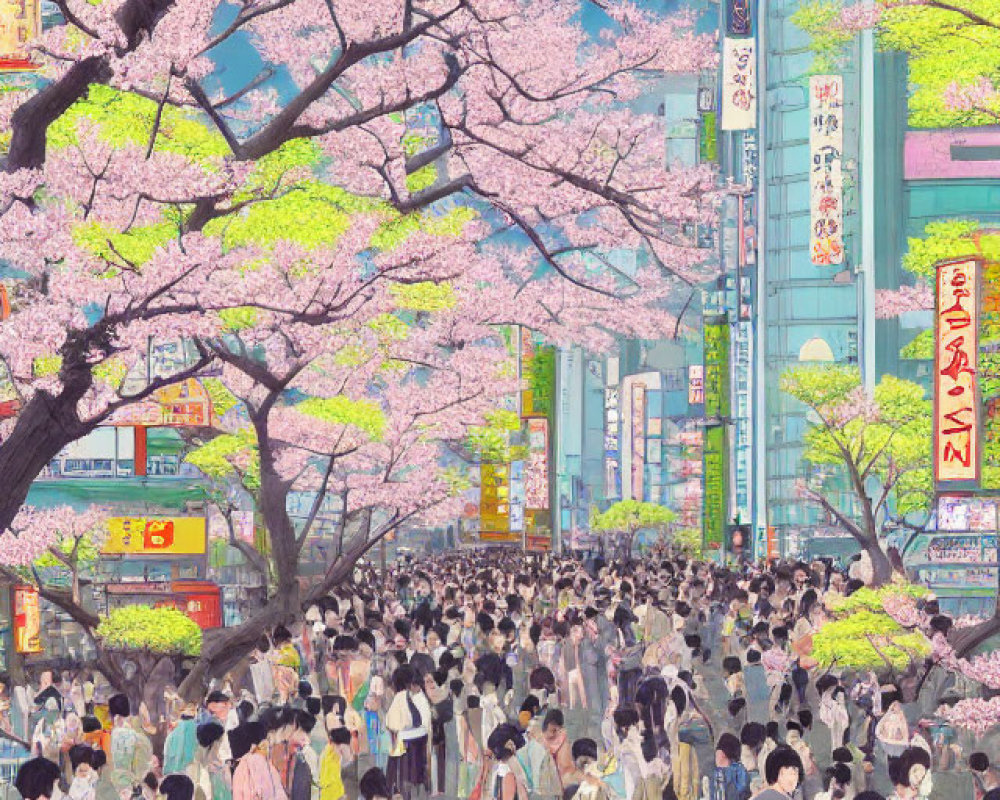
x=708, y=138
x=715, y=500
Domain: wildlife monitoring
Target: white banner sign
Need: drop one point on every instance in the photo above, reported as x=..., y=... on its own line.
x=739, y=86
x=826, y=141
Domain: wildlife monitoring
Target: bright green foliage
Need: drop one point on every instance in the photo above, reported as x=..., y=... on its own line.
x=122, y=118
x=310, y=213
x=87, y=552
x=133, y=248
x=891, y=444
x=164, y=631
x=491, y=442
x=222, y=399
x=218, y=458
x=396, y=230
x=423, y=178
x=921, y=346
x=46, y=365
x=629, y=516
x=945, y=239
x=851, y=642
x=424, y=296
x=828, y=40
x=867, y=599
x=111, y=372
x=689, y=540
x=239, y=319
x=941, y=44
x=943, y=48
x=365, y=415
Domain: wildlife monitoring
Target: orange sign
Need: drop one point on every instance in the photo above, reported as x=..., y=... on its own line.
x=27, y=620
x=183, y=404
x=956, y=349
x=155, y=535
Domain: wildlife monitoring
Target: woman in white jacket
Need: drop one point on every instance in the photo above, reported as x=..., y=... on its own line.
x=409, y=723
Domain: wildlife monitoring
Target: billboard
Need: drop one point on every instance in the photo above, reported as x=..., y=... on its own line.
x=183, y=404
x=739, y=18
x=494, y=504
x=27, y=620
x=826, y=184
x=20, y=22
x=638, y=423
x=717, y=406
x=956, y=396
x=739, y=85
x=696, y=384
x=148, y=536
x=966, y=514
x=536, y=471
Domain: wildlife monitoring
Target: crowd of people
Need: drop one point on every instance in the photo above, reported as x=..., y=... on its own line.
x=495, y=675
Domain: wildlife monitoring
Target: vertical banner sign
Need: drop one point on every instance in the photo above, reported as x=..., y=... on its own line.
x=494, y=503
x=536, y=472
x=27, y=620
x=826, y=186
x=638, y=423
x=696, y=384
x=989, y=353
x=716, y=458
x=739, y=21
x=739, y=85
x=956, y=350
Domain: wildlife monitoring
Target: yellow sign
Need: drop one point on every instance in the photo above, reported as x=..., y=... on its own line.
x=494, y=504
x=27, y=620
x=20, y=23
x=155, y=535
x=956, y=353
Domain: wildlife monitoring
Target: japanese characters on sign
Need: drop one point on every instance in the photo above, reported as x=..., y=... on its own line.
x=956, y=401
x=739, y=21
x=155, y=536
x=739, y=85
x=826, y=142
x=696, y=384
x=717, y=408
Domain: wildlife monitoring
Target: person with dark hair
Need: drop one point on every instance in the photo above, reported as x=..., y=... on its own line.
x=211, y=777
x=82, y=786
x=37, y=779
x=254, y=777
x=758, y=692
x=178, y=750
x=176, y=787
x=408, y=721
x=784, y=774
x=985, y=776
x=131, y=751
x=729, y=780
x=374, y=786
x=910, y=773
x=558, y=746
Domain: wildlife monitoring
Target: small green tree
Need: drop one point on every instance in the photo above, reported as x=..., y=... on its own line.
x=863, y=636
x=627, y=517
x=145, y=636
x=880, y=445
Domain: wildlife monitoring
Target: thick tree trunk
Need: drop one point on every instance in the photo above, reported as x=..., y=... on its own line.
x=881, y=566
x=44, y=426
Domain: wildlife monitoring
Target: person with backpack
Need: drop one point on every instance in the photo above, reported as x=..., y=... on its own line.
x=729, y=780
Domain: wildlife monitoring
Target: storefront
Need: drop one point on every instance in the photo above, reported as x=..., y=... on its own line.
x=199, y=600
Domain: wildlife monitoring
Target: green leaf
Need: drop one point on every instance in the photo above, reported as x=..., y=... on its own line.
x=365, y=415
x=160, y=630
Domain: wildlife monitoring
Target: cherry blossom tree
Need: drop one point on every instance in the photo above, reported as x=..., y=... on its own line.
x=881, y=447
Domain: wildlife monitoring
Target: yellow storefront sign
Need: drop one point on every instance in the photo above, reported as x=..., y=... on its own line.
x=155, y=535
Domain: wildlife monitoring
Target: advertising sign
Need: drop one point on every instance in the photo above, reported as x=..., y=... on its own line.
x=966, y=514
x=716, y=458
x=20, y=22
x=739, y=85
x=536, y=471
x=696, y=384
x=638, y=423
x=27, y=620
x=494, y=504
x=739, y=21
x=956, y=350
x=517, y=496
x=988, y=376
x=150, y=536
x=183, y=404
x=826, y=185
